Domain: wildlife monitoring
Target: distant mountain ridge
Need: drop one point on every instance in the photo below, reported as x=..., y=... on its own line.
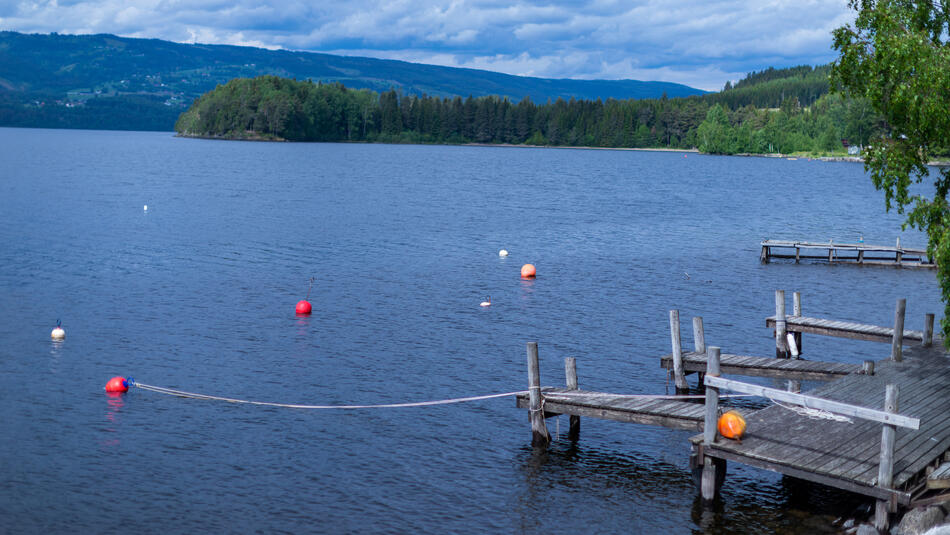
x=105, y=81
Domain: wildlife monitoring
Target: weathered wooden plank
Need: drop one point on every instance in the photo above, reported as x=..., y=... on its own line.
x=851, y=486
x=815, y=403
x=940, y=478
x=843, y=329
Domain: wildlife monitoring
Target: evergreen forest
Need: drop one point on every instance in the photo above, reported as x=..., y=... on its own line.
x=774, y=111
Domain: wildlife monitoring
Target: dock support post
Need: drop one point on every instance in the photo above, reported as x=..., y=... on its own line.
x=929, y=330
x=885, y=473
x=900, y=253
x=867, y=367
x=709, y=479
x=898, y=340
x=570, y=374
x=764, y=257
x=781, y=348
x=798, y=253
x=540, y=438
x=797, y=311
x=679, y=376
x=699, y=341
x=861, y=256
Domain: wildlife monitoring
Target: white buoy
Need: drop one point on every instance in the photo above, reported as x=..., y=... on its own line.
x=503, y=253
x=58, y=333
x=486, y=303
x=145, y=208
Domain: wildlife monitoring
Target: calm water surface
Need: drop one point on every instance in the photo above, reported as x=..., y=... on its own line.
x=198, y=293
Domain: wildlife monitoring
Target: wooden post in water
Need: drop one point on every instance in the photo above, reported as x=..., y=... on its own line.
x=679, y=376
x=699, y=335
x=885, y=473
x=781, y=348
x=898, y=340
x=708, y=485
x=797, y=311
x=899, y=252
x=570, y=374
x=540, y=438
x=929, y=330
x=764, y=257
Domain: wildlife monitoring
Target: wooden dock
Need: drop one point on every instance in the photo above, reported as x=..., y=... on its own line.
x=848, y=455
x=648, y=410
x=748, y=366
x=851, y=253
x=893, y=444
x=844, y=329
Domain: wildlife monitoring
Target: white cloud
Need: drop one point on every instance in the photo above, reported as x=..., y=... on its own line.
x=700, y=43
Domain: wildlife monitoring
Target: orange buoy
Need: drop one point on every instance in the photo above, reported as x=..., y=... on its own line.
x=303, y=307
x=117, y=384
x=528, y=271
x=731, y=425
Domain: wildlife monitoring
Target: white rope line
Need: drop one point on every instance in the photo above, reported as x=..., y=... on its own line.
x=182, y=393
x=815, y=414
x=195, y=395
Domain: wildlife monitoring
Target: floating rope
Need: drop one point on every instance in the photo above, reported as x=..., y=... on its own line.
x=815, y=414
x=193, y=395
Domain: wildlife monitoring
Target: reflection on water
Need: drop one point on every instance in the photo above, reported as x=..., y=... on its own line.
x=114, y=402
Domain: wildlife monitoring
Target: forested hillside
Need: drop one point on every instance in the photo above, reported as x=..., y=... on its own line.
x=785, y=110
x=105, y=81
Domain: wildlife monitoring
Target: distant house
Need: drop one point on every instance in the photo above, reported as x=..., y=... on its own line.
x=844, y=143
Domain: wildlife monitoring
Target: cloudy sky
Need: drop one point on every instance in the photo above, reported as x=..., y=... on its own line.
x=701, y=43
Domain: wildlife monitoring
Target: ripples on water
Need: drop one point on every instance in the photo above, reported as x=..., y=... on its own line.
x=198, y=292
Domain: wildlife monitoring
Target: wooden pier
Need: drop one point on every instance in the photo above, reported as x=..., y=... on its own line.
x=851, y=253
x=748, y=366
x=845, y=329
x=881, y=429
x=847, y=455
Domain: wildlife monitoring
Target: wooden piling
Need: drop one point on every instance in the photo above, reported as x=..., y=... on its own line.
x=781, y=349
x=679, y=376
x=797, y=311
x=699, y=341
x=764, y=256
x=867, y=367
x=708, y=485
x=699, y=335
x=570, y=374
x=898, y=339
x=928, y=330
x=540, y=438
x=899, y=254
x=885, y=474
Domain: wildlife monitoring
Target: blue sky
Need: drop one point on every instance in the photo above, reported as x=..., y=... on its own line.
x=698, y=43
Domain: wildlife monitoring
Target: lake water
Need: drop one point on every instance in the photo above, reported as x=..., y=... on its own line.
x=198, y=293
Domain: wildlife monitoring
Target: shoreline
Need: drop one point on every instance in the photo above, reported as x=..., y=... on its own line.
x=778, y=155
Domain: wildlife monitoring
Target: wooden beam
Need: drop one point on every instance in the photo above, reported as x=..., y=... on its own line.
x=815, y=403
x=570, y=374
x=540, y=438
x=898, y=339
x=678, y=377
x=885, y=473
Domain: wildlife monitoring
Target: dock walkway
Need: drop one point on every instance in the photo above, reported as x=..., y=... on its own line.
x=844, y=329
x=847, y=455
x=792, y=369
x=852, y=253
x=649, y=410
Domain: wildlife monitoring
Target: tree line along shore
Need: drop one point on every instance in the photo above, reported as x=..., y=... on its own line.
x=775, y=111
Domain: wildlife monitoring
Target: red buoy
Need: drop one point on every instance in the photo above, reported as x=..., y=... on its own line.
x=303, y=307
x=117, y=384
x=528, y=271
